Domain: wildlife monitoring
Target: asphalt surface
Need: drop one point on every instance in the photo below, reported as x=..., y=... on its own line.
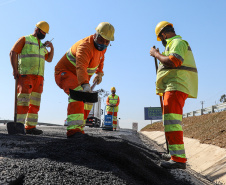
x=98, y=157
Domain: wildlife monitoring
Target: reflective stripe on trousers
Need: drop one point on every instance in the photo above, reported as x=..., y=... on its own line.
x=77, y=111
x=114, y=118
x=172, y=118
x=29, y=91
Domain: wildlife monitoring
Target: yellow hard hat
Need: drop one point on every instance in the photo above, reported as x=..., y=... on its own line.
x=106, y=30
x=159, y=28
x=44, y=26
x=113, y=89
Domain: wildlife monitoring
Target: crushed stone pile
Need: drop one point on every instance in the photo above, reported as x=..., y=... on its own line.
x=94, y=158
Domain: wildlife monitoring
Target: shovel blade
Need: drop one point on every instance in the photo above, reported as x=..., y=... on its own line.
x=84, y=96
x=15, y=128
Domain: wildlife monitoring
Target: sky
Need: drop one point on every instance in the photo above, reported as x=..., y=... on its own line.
x=128, y=65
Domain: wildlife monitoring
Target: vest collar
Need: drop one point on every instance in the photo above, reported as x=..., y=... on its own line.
x=36, y=40
x=175, y=37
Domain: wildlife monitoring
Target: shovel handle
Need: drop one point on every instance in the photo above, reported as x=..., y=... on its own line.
x=161, y=102
x=156, y=68
x=93, y=86
x=15, y=104
x=156, y=63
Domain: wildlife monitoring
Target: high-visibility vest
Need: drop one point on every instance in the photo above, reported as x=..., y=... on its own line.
x=112, y=100
x=183, y=78
x=32, y=57
x=72, y=59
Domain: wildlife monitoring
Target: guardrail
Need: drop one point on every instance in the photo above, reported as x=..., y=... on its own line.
x=39, y=123
x=208, y=110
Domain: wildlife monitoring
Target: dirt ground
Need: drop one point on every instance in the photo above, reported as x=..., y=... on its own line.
x=208, y=128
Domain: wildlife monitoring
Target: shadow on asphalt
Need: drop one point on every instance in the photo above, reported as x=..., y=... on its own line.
x=86, y=159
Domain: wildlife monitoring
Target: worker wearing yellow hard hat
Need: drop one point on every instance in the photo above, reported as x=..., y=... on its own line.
x=112, y=108
x=75, y=69
x=177, y=80
x=28, y=57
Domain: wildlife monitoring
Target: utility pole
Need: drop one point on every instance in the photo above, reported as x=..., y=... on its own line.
x=202, y=102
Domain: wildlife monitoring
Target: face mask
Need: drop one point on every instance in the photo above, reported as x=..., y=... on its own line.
x=40, y=35
x=100, y=47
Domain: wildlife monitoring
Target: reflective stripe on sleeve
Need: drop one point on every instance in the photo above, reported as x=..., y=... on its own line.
x=177, y=56
x=91, y=71
x=70, y=56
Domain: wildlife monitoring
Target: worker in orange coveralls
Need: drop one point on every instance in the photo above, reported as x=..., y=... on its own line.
x=113, y=102
x=27, y=58
x=75, y=69
x=177, y=80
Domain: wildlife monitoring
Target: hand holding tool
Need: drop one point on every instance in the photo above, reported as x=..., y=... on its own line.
x=98, y=78
x=90, y=97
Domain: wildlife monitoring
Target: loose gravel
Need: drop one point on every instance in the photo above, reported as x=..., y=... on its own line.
x=98, y=157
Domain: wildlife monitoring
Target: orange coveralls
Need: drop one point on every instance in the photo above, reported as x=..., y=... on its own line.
x=70, y=75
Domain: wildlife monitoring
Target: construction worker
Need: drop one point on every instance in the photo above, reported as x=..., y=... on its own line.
x=113, y=102
x=75, y=69
x=27, y=58
x=177, y=80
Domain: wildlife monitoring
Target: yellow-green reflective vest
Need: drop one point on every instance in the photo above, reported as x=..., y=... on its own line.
x=112, y=100
x=32, y=57
x=183, y=78
x=72, y=59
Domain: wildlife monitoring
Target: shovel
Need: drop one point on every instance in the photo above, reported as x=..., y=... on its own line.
x=15, y=127
x=156, y=67
x=85, y=96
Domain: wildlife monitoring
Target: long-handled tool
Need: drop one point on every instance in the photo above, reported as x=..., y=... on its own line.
x=90, y=97
x=15, y=127
x=161, y=102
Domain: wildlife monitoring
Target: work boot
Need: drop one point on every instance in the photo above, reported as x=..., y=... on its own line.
x=166, y=157
x=34, y=131
x=172, y=165
x=75, y=135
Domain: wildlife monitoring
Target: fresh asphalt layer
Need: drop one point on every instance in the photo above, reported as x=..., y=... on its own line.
x=98, y=157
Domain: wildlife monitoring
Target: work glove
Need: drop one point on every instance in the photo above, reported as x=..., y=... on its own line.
x=86, y=88
x=98, y=78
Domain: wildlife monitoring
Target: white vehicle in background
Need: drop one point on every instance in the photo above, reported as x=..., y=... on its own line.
x=94, y=117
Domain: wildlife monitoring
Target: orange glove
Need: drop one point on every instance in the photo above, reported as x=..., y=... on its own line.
x=98, y=78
